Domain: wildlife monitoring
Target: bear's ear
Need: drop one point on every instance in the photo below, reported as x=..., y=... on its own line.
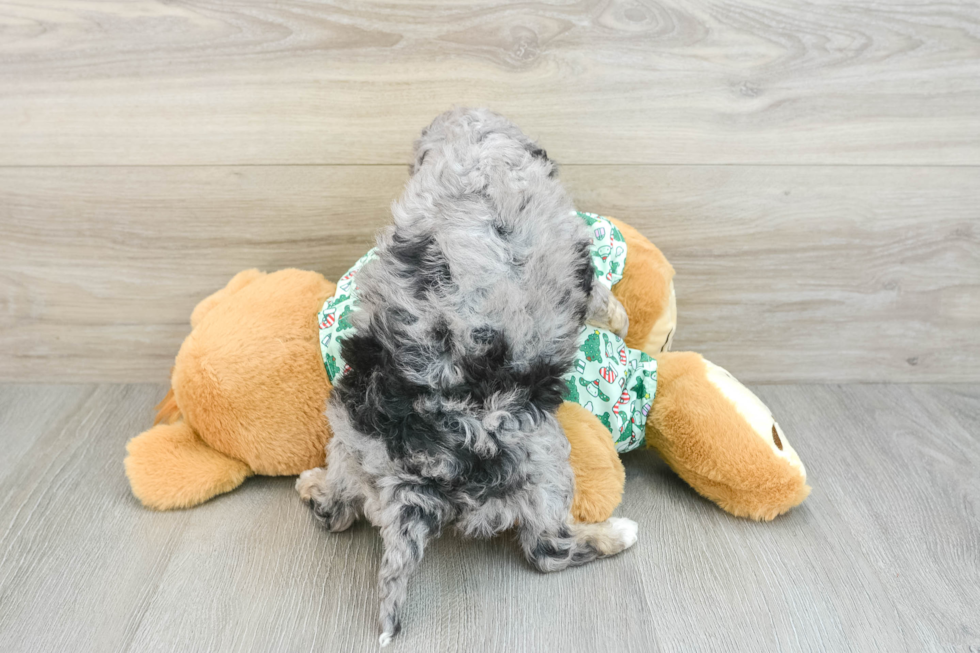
x=237, y=282
x=666, y=325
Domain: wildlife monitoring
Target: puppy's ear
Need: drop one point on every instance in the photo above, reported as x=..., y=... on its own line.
x=419, y=149
x=542, y=155
x=538, y=152
x=420, y=153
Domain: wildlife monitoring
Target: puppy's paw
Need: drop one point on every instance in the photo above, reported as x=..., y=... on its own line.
x=619, y=321
x=337, y=515
x=623, y=531
x=612, y=316
x=310, y=483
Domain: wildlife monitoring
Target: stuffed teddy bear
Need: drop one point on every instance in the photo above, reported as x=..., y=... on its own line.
x=250, y=384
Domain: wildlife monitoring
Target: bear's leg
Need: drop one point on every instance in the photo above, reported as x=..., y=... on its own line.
x=170, y=467
x=599, y=474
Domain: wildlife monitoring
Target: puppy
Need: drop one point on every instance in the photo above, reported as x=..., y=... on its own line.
x=468, y=314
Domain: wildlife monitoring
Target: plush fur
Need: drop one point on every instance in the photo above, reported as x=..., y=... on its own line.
x=736, y=467
x=169, y=466
x=646, y=291
x=466, y=321
x=599, y=473
x=248, y=393
x=264, y=408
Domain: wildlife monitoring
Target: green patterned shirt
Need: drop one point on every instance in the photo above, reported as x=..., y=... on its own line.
x=613, y=382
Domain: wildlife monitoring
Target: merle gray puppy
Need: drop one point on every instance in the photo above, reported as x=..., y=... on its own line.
x=467, y=319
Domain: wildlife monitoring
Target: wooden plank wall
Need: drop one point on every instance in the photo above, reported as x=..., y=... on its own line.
x=811, y=169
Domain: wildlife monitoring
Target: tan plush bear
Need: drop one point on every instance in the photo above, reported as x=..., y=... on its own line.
x=249, y=387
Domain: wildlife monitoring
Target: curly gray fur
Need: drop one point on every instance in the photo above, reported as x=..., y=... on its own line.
x=468, y=318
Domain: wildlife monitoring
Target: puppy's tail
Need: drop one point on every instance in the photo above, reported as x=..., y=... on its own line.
x=404, y=544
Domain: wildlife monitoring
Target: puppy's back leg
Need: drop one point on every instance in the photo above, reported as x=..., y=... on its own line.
x=606, y=312
x=410, y=521
x=333, y=493
x=548, y=535
x=570, y=545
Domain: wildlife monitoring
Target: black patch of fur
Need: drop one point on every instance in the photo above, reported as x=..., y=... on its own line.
x=501, y=229
x=433, y=275
x=423, y=262
x=442, y=336
x=401, y=316
x=484, y=335
x=549, y=549
x=409, y=253
x=584, y=272
x=493, y=371
x=378, y=399
x=381, y=403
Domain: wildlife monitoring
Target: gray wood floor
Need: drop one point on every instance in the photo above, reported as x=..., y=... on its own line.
x=884, y=556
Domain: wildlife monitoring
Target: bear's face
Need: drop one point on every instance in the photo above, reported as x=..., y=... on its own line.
x=756, y=414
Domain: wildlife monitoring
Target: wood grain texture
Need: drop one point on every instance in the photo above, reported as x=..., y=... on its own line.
x=784, y=273
x=884, y=555
x=831, y=274
x=307, y=81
